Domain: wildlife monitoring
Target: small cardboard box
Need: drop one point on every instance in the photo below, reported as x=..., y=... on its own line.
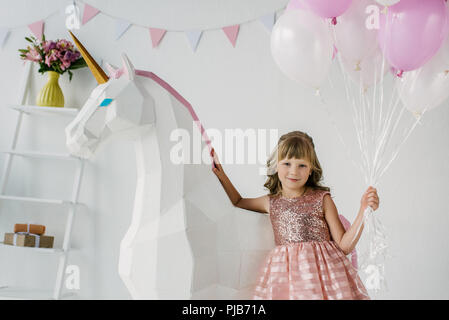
x=27, y=240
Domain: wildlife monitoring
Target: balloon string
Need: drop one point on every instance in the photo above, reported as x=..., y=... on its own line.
x=359, y=120
x=356, y=115
x=362, y=128
x=323, y=102
x=385, y=128
x=380, y=122
x=380, y=152
x=381, y=86
x=402, y=142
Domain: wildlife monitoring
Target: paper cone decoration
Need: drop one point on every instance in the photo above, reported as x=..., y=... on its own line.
x=231, y=32
x=156, y=36
x=194, y=38
x=89, y=13
x=96, y=70
x=120, y=28
x=37, y=28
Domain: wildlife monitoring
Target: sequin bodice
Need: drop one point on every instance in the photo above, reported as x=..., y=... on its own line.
x=299, y=219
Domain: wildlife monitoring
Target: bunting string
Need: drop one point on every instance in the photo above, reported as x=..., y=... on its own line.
x=74, y=20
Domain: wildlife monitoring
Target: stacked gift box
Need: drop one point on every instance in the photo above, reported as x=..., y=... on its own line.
x=29, y=235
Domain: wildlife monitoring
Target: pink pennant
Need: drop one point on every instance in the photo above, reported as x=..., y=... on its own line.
x=89, y=13
x=37, y=28
x=231, y=32
x=156, y=35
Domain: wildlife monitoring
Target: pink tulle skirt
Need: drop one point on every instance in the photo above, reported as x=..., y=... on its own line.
x=308, y=271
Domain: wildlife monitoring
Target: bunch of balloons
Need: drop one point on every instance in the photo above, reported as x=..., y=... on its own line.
x=407, y=36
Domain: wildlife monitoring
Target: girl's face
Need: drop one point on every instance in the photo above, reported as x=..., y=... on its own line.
x=293, y=173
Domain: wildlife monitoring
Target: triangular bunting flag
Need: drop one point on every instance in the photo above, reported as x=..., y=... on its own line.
x=231, y=32
x=120, y=27
x=37, y=28
x=268, y=21
x=194, y=38
x=3, y=35
x=156, y=35
x=89, y=13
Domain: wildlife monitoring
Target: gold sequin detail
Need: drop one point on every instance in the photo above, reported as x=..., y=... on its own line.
x=299, y=219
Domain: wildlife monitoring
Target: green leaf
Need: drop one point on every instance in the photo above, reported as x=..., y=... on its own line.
x=28, y=39
x=70, y=75
x=78, y=64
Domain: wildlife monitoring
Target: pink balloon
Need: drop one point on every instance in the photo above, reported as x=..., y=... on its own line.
x=412, y=32
x=328, y=8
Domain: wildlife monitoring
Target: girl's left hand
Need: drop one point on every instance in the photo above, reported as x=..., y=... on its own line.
x=370, y=198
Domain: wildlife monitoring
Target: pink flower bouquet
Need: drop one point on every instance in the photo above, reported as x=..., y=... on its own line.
x=59, y=56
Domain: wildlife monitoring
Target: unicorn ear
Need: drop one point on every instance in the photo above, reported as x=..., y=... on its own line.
x=128, y=67
x=113, y=71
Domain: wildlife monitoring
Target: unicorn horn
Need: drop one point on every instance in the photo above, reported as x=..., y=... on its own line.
x=96, y=70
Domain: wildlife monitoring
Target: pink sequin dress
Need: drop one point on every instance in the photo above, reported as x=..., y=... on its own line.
x=305, y=264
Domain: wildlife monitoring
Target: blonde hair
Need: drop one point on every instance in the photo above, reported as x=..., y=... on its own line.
x=299, y=145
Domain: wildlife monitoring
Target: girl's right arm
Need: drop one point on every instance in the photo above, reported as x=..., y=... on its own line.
x=260, y=204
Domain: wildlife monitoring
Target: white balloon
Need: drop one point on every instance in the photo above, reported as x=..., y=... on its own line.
x=367, y=71
x=388, y=3
x=353, y=39
x=301, y=45
x=427, y=87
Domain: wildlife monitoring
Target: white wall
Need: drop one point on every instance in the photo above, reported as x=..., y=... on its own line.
x=229, y=88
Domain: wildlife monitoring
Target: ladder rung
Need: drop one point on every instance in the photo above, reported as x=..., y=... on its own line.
x=39, y=200
x=46, y=110
x=24, y=293
x=20, y=293
x=43, y=155
x=40, y=250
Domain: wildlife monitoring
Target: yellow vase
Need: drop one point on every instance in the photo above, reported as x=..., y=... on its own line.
x=51, y=94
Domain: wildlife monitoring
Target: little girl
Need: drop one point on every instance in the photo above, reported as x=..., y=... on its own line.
x=309, y=260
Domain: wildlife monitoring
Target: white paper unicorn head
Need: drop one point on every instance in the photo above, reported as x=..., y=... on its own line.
x=186, y=240
x=113, y=106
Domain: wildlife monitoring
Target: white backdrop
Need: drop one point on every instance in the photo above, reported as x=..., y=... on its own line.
x=229, y=88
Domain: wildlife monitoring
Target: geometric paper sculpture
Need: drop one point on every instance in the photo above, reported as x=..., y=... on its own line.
x=186, y=240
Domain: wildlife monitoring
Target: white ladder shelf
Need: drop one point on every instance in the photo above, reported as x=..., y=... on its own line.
x=72, y=203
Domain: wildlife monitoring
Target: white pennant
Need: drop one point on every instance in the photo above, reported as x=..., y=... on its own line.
x=194, y=38
x=3, y=35
x=268, y=20
x=120, y=27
